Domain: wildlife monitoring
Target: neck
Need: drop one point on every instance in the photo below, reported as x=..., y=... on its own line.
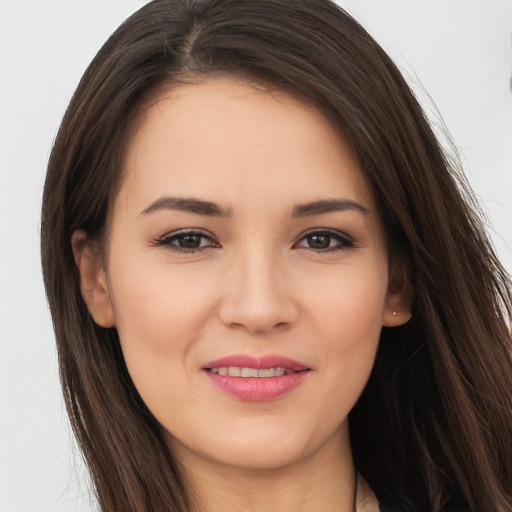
x=324, y=480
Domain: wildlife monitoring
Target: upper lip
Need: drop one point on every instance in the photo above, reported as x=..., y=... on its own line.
x=260, y=363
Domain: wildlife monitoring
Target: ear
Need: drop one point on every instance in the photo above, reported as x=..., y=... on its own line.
x=397, y=308
x=93, y=279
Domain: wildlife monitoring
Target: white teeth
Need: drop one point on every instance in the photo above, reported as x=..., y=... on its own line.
x=249, y=372
x=235, y=371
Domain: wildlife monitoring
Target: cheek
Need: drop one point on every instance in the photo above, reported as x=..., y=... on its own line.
x=347, y=321
x=154, y=304
x=159, y=317
x=350, y=304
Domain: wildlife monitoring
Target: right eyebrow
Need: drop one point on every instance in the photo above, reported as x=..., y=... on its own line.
x=187, y=204
x=327, y=206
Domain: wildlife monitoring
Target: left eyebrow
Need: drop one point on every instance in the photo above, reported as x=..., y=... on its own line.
x=328, y=206
x=187, y=204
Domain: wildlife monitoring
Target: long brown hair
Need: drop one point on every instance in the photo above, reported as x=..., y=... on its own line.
x=433, y=427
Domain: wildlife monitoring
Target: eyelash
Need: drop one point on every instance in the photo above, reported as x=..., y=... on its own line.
x=167, y=241
x=344, y=241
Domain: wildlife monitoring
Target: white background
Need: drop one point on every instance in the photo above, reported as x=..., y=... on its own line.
x=459, y=50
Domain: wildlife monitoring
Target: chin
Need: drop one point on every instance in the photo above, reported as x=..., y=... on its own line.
x=260, y=447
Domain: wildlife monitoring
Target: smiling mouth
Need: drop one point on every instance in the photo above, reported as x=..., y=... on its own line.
x=256, y=379
x=251, y=373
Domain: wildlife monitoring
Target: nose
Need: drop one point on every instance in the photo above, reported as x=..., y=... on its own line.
x=258, y=294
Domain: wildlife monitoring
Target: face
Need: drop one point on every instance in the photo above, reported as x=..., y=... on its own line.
x=246, y=273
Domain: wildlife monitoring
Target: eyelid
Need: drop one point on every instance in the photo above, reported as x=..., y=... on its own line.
x=167, y=239
x=345, y=240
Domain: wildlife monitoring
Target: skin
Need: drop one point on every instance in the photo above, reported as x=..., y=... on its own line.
x=253, y=286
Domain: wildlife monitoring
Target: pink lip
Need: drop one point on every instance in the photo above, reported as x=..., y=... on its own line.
x=257, y=389
x=261, y=363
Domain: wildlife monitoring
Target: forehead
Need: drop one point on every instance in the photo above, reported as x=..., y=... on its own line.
x=233, y=140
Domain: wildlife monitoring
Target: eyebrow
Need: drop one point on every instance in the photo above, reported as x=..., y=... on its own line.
x=208, y=208
x=187, y=204
x=328, y=206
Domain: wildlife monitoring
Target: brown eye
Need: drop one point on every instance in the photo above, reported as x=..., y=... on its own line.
x=187, y=241
x=319, y=241
x=325, y=241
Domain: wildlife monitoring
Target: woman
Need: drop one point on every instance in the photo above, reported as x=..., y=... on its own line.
x=270, y=288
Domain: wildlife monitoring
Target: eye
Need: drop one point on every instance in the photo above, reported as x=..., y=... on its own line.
x=325, y=241
x=187, y=241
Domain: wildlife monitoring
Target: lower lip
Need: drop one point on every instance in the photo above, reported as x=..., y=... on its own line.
x=257, y=389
